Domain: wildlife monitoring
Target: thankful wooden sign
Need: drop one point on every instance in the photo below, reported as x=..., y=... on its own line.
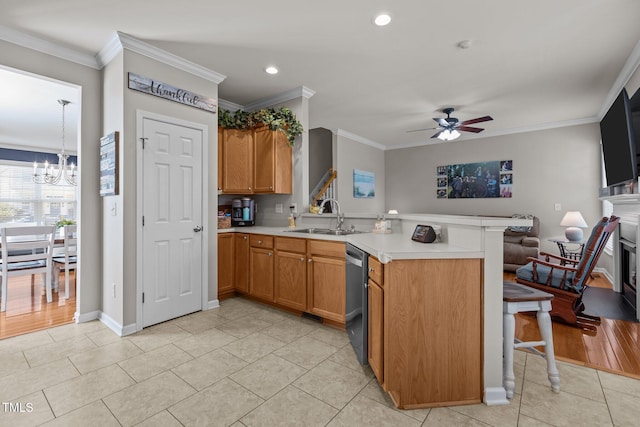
x=166, y=91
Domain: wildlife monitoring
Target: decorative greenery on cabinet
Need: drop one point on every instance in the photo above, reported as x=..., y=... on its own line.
x=281, y=119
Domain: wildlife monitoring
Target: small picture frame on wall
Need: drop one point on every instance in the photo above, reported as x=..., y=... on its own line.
x=109, y=158
x=364, y=184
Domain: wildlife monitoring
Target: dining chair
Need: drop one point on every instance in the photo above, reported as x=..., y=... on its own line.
x=26, y=251
x=68, y=260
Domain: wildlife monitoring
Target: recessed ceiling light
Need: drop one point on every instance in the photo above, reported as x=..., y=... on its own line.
x=382, y=20
x=271, y=70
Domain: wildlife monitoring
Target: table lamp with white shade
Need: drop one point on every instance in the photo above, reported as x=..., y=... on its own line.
x=574, y=222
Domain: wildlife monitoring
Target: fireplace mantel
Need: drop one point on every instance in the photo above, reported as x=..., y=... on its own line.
x=627, y=207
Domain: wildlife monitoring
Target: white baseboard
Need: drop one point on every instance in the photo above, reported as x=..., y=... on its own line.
x=213, y=304
x=495, y=396
x=116, y=327
x=86, y=317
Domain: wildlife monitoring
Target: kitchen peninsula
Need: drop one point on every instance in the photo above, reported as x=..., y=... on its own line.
x=440, y=310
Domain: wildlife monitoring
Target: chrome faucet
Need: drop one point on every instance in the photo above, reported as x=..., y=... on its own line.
x=339, y=215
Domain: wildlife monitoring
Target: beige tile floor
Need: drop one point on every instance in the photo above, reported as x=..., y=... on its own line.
x=245, y=364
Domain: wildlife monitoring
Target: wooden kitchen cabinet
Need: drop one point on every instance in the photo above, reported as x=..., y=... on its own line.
x=375, y=331
x=272, y=165
x=241, y=263
x=261, y=265
x=220, y=144
x=291, y=273
x=254, y=161
x=326, y=273
x=225, y=265
x=432, y=351
x=237, y=161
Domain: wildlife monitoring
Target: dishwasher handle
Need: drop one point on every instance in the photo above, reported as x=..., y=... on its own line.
x=353, y=260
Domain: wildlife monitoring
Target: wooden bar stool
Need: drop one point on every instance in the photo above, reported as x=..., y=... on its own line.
x=518, y=298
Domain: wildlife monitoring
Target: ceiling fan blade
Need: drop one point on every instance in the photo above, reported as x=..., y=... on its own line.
x=477, y=120
x=418, y=130
x=470, y=129
x=436, y=135
x=442, y=122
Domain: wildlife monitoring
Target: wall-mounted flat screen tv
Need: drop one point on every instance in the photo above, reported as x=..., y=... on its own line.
x=618, y=145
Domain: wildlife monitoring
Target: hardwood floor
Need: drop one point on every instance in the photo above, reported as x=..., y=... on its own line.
x=614, y=347
x=27, y=308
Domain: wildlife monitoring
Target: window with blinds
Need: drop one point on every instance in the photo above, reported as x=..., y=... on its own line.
x=23, y=202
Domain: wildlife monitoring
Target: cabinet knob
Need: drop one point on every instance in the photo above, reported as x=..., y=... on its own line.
x=244, y=237
x=302, y=259
x=371, y=269
x=270, y=254
x=310, y=260
x=270, y=187
x=259, y=242
x=249, y=188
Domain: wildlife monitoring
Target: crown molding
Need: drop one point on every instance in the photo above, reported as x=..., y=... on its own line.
x=358, y=138
x=228, y=105
x=125, y=41
x=299, y=92
x=109, y=50
x=630, y=66
x=48, y=47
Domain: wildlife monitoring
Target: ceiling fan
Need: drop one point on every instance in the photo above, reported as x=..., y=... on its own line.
x=449, y=127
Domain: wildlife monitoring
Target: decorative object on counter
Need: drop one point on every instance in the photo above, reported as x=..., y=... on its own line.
x=382, y=226
x=364, y=184
x=475, y=180
x=281, y=119
x=426, y=233
x=574, y=222
x=292, y=218
x=224, y=216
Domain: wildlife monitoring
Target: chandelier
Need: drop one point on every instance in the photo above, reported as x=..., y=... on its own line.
x=51, y=174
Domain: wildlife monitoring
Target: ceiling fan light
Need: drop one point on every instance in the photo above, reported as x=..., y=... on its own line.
x=444, y=135
x=453, y=135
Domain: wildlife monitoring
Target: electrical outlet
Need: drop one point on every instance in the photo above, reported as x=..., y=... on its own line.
x=278, y=207
x=293, y=208
x=113, y=285
x=557, y=207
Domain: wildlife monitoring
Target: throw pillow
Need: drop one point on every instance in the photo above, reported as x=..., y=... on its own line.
x=521, y=229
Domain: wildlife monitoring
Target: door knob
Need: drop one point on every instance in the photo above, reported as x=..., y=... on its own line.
x=198, y=229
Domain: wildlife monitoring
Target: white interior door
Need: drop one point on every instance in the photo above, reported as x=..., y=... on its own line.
x=172, y=212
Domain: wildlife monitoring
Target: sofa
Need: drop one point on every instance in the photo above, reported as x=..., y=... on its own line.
x=521, y=243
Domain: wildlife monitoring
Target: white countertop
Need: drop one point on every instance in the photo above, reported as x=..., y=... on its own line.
x=385, y=247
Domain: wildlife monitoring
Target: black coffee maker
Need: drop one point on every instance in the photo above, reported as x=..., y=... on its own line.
x=243, y=212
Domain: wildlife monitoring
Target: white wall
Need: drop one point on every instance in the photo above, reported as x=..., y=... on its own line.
x=113, y=225
x=552, y=166
x=351, y=154
x=89, y=272
x=134, y=101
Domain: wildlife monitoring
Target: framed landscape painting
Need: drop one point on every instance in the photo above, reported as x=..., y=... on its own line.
x=364, y=184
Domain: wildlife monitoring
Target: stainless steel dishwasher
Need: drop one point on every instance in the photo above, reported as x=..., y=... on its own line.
x=357, y=301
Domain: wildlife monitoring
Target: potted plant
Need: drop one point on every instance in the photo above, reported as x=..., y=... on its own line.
x=281, y=119
x=63, y=221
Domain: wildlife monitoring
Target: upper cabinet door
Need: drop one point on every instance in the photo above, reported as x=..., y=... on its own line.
x=237, y=164
x=272, y=162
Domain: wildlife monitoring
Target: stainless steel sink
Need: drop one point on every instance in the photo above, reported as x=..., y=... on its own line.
x=328, y=231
